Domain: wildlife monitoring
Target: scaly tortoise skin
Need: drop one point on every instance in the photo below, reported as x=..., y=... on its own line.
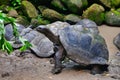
x=79, y=44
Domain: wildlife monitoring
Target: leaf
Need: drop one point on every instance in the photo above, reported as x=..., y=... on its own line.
x=8, y=47
x=26, y=46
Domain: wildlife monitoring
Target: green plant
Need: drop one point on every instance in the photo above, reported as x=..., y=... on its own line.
x=16, y=3
x=4, y=44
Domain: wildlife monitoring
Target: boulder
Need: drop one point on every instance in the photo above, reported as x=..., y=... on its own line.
x=9, y=31
x=72, y=18
x=75, y=6
x=114, y=66
x=107, y=3
x=22, y=20
x=52, y=15
x=116, y=41
x=39, y=21
x=95, y=12
x=111, y=3
x=58, y=5
x=42, y=8
x=13, y=13
x=29, y=9
x=112, y=18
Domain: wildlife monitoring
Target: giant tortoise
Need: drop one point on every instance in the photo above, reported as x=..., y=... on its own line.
x=80, y=45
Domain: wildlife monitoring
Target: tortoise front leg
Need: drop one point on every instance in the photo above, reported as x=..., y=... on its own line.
x=59, y=50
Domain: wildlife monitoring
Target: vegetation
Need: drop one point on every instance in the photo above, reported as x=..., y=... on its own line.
x=4, y=44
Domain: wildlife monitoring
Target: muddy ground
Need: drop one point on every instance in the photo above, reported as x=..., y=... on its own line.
x=29, y=67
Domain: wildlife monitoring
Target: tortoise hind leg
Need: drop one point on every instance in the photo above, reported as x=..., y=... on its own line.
x=96, y=69
x=59, y=53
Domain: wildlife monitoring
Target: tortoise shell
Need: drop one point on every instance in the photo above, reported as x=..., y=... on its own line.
x=83, y=46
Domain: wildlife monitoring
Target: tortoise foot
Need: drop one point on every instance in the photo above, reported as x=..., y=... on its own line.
x=56, y=70
x=96, y=70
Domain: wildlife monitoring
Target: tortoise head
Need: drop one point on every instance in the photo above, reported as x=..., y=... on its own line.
x=48, y=33
x=42, y=29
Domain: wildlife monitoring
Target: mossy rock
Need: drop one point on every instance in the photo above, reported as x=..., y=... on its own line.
x=118, y=9
x=13, y=13
x=58, y=5
x=42, y=8
x=112, y=18
x=29, y=9
x=75, y=6
x=95, y=12
x=22, y=20
x=37, y=22
x=72, y=18
x=52, y=15
x=111, y=3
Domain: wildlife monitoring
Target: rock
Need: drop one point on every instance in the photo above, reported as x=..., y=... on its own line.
x=116, y=41
x=107, y=3
x=72, y=18
x=39, y=21
x=42, y=8
x=75, y=6
x=52, y=15
x=95, y=12
x=22, y=20
x=9, y=31
x=13, y=13
x=114, y=66
x=56, y=26
x=112, y=18
x=118, y=9
x=58, y=5
x=111, y=3
x=29, y=9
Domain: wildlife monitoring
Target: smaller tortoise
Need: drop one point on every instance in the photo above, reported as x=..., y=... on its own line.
x=78, y=44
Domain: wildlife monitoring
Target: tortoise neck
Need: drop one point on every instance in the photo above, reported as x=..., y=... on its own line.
x=51, y=36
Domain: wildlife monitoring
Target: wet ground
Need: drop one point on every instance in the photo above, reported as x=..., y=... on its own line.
x=29, y=67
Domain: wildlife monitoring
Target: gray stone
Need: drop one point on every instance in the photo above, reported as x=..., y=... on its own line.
x=9, y=31
x=116, y=41
x=114, y=66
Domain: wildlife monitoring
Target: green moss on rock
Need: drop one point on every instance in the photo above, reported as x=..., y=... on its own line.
x=52, y=15
x=42, y=8
x=113, y=18
x=29, y=9
x=22, y=20
x=75, y=6
x=57, y=4
x=72, y=18
x=111, y=3
x=95, y=12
